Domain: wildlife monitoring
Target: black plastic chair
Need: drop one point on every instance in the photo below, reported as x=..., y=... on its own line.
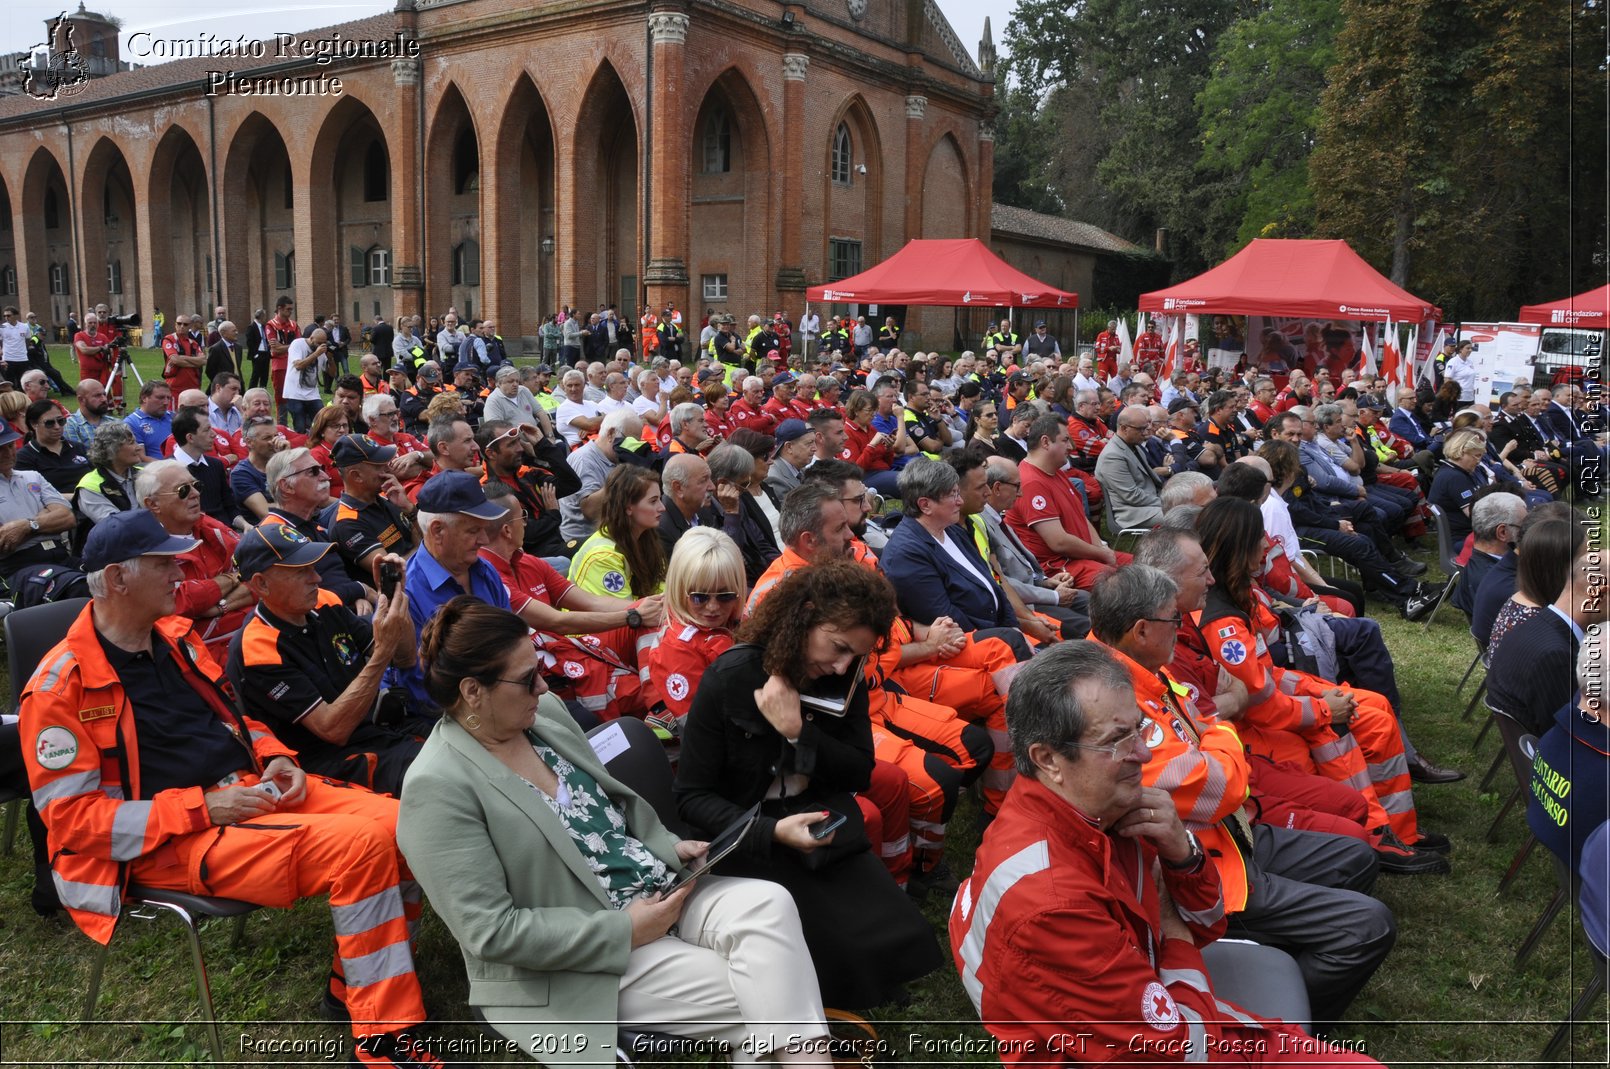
x=1445, y=559
x=643, y=767
x=29, y=635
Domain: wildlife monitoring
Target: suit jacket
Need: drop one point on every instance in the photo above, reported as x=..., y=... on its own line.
x=1131, y=487
x=217, y=499
x=252, y=338
x=1555, y=417
x=1533, y=672
x=1019, y=567
x=780, y=479
x=381, y=335
x=535, y=928
x=221, y=357
x=929, y=583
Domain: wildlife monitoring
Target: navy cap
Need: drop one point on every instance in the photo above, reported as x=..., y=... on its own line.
x=357, y=448
x=125, y=535
x=544, y=369
x=8, y=434
x=784, y=378
x=789, y=430
x=1018, y=378
x=1180, y=404
x=1038, y=323
x=458, y=491
x=1370, y=401
x=269, y=544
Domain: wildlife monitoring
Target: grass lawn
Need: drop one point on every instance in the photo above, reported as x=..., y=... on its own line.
x=1449, y=993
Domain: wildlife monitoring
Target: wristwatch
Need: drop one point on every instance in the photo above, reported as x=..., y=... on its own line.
x=1191, y=863
x=634, y=618
x=33, y=525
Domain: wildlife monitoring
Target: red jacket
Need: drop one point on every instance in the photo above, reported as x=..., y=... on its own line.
x=1058, y=938
x=869, y=458
x=677, y=663
x=83, y=761
x=743, y=414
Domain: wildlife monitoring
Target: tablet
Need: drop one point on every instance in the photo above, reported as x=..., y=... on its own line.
x=832, y=695
x=719, y=847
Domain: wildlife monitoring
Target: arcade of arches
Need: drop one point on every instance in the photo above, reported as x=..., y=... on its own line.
x=628, y=155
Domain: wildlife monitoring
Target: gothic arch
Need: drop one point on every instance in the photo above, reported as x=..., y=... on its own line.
x=527, y=233
x=51, y=285
x=178, y=238
x=453, y=206
x=853, y=209
x=259, y=229
x=107, y=227
x=731, y=187
x=946, y=190
x=350, y=186
x=606, y=239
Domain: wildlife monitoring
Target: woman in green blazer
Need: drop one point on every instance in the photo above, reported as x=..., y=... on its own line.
x=550, y=874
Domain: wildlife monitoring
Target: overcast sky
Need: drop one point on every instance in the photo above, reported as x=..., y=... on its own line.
x=24, y=24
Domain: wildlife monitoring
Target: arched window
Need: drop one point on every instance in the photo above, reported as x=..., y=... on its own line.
x=52, y=210
x=467, y=263
x=114, y=277
x=58, y=279
x=376, y=175
x=717, y=142
x=842, y=156
x=466, y=163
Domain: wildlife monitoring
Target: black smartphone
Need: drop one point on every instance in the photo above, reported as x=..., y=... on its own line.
x=823, y=828
x=390, y=576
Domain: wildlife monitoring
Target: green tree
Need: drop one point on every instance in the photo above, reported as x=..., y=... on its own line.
x=1258, y=113
x=1024, y=150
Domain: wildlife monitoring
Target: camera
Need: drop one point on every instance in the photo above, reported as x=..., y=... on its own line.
x=124, y=322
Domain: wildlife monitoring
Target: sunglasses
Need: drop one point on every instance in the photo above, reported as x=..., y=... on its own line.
x=532, y=682
x=725, y=597
x=312, y=469
x=52, y=422
x=184, y=491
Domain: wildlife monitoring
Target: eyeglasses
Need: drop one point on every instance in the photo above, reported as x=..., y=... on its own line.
x=1129, y=740
x=183, y=491
x=1009, y=482
x=724, y=597
x=531, y=682
x=1172, y=621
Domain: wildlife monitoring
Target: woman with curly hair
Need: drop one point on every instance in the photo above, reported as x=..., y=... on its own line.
x=753, y=736
x=625, y=558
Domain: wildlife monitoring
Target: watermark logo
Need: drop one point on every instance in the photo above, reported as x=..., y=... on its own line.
x=65, y=73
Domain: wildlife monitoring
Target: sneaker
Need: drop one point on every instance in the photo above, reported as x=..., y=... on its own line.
x=1409, y=567
x=394, y=1051
x=1419, y=606
x=1397, y=857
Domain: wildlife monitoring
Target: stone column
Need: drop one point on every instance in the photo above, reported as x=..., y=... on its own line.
x=791, y=267
x=407, y=174
x=666, y=277
x=916, y=164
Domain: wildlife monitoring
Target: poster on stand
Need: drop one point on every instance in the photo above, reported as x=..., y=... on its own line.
x=1503, y=355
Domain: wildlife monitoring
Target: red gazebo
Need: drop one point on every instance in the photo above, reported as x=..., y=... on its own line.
x=1590, y=310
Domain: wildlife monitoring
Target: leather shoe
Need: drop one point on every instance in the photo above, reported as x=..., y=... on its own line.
x=1396, y=857
x=1433, y=842
x=1423, y=771
x=1408, y=566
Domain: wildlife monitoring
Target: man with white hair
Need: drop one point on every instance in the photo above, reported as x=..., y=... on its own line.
x=577, y=417
x=686, y=486
x=1495, y=523
x=749, y=411
x=35, y=384
x=592, y=464
x=648, y=403
x=210, y=592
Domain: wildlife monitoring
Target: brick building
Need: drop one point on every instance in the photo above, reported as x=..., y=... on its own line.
x=503, y=157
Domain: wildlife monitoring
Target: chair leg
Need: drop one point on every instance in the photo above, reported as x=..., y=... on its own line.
x=1492, y=770
x=1535, y=936
x=202, y=986
x=1590, y=995
x=1446, y=590
x=1487, y=725
x=1516, y=862
x=1492, y=830
x=240, y=931
x=96, y=970
x=1475, y=700
x=13, y=812
x=1466, y=677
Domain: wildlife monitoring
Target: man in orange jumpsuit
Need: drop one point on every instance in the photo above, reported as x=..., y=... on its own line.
x=144, y=772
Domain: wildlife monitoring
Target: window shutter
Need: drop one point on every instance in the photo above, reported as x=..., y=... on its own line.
x=358, y=260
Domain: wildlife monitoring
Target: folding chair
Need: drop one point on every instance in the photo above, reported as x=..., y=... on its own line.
x=1265, y=980
x=643, y=766
x=29, y=635
x=1116, y=533
x=1445, y=559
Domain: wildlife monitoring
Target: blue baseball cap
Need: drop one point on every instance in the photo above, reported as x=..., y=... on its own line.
x=352, y=449
x=268, y=544
x=126, y=535
x=458, y=491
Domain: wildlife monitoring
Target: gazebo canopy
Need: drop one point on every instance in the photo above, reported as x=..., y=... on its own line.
x=1590, y=309
x=1292, y=277
x=958, y=272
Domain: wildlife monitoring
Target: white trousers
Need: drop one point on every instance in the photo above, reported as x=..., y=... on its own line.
x=736, y=972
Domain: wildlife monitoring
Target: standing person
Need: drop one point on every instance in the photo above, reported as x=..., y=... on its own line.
x=279, y=332
x=14, y=339
x=92, y=350
x=339, y=339
x=257, y=349
x=747, y=729
x=182, y=358
x=305, y=359
x=381, y=335
x=1108, y=347
x=225, y=354
x=155, y=815
x=1462, y=371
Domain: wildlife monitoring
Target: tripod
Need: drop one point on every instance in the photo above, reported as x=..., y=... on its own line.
x=121, y=360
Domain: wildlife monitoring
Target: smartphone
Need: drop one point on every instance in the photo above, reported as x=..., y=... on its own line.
x=823, y=828
x=390, y=576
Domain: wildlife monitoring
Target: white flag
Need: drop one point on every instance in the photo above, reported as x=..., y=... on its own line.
x=1126, y=352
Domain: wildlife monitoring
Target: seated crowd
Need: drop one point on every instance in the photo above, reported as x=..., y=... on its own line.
x=428, y=592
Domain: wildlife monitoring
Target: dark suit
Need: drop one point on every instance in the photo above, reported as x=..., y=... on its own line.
x=1533, y=672
x=259, y=360
x=380, y=338
x=217, y=499
x=929, y=583
x=223, y=356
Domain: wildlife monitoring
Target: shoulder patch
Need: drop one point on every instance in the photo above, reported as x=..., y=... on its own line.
x=676, y=686
x=1158, y=1008
x=1233, y=652
x=55, y=748
x=1038, y=502
x=1226, y=632
x=614, y=582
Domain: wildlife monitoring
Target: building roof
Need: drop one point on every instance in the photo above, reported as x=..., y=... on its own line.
x=1021, y=222
x=168, y=75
